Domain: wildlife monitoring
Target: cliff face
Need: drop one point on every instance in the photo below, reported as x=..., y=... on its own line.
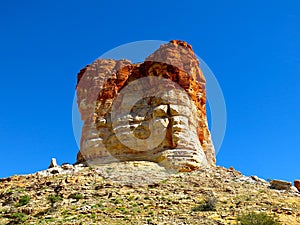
x=152, y=111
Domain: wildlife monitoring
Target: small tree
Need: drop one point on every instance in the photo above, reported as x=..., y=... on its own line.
x=23, y=200
x=209, y=204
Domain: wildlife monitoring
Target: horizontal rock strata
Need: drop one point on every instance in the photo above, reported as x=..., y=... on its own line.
x=151, y=111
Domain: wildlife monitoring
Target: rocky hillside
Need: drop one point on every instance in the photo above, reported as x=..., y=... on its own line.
x=141, y=193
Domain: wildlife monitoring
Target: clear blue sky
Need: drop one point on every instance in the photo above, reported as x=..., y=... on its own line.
x=253, y=48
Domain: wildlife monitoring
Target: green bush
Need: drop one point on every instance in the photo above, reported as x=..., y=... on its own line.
x=209, y=204
x=23, y=200
x=54, y=198
x=19, y=217
x=76, y=196
x=253, y=218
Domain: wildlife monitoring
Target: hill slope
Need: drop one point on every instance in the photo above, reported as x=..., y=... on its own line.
x=139, y=193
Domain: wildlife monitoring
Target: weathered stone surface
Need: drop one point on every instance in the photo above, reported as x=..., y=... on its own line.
x=67, y=166
x=53, y=163
x=257, y=179
x=152, y=111
x=280, y=185
x=294, y=189
x=297, y=184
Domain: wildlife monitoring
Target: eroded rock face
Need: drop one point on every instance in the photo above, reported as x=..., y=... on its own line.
x=297, y=184
x=151, y=111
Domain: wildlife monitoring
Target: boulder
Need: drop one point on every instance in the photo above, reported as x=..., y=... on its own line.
x=67, y=166
x=53, y=163
x=280, y=185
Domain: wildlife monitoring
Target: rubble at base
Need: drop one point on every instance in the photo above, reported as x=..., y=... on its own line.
x=139, y=192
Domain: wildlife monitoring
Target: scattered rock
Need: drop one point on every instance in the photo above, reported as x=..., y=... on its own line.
x=245, y=179
x=294, y=189
x=55, y=170
x=121, y=191
x=67, y=166
x=53, y=163
x=71, y=180
x=8, y=179
x=257, y=179
x=280, y=185
x=84, y=208
x=80, y=165
x=27, y=210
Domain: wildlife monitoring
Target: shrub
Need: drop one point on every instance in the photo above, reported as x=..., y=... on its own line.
x=9, y=191
x=117, y=201
x=253, y=218
x=19, y=217
x=122, y=209
x=23, y=200
x=54, y=198
x=209, y=204
x=76, y=196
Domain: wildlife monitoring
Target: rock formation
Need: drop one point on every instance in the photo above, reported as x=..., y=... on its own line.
x=150, y=111
x=53, y=163
x=297, y=184
x=280, y=184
